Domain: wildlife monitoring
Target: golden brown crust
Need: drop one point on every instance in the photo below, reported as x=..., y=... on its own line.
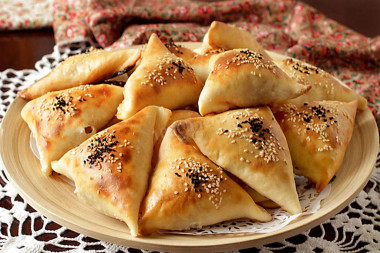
x=245, y=78
x=175, y=116
x=318, y=134
x=249, y=144
x=180, y=51
x=324, y=86
x=161, y=79
x=187, y=190
x=92, y=67
x=222, y=35
x=111, y=169
x=61, y=120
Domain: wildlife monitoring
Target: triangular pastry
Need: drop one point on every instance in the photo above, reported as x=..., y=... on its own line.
x=249, y=144
x=180, y=51
x=161, y=79
x=324, y=85
x=61, y=120
x=223, y=36
x=318, y=134
x=199, y=62
x=176, y=115
x=111, y=169
x=187, y=191
x=87, y=68
x=244, y=78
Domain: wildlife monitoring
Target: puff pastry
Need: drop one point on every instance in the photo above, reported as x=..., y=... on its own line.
x=324, y=86
x=249, y=144
x=244, y=78
x=111, y=169
x=62, y=120
x=161, y=79
x=318, y=134
x=92, y=67
x=188, y=191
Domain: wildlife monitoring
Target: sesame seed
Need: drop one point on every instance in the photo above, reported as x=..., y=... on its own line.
x=198, y=177
x=315, y=117
x=250, y=127
x=168, y=67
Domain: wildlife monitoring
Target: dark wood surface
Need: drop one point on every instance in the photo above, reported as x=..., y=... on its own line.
x=21, y=49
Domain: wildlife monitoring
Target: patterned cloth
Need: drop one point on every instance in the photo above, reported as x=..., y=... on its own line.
x=25, y=14
x=286, y=26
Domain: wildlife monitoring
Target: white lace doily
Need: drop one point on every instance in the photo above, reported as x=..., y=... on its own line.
x=355, y=229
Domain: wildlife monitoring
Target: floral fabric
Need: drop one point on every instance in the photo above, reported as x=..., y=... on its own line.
x=25, y=14
x=286, y=26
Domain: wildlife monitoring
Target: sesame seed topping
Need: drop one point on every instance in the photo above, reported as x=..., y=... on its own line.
x=250, y=127
x=103, y=149
x=301, y=72
x=199, y=178
x=168, y=67
x=317, y=118
x=246, y=56
x=174, y=48
x=62, y=106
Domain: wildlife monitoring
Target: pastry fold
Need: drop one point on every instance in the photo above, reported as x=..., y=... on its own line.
x=249, y=144
x=61, y=120
x=87, y=68
x=111, y=169
x=160, y=79
x=318, y=134
x=199, y=62
x=324, y=85
x=188, y=191
x=245, y=78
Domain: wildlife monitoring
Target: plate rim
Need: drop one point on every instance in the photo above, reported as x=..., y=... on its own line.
x=237, y=241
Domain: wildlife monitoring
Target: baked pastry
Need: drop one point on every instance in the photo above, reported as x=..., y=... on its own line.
x=223, y=36
x=257, y=197
x=244, y=78
x=260, y=199
x=183, y=52
x=176, y=115
x=249, y=144
x=199, y=62
x=61, y=120
x=324, y=86
x=318, y=134
x=187, y=190
x=87, y=68
x=111, y=169
x=161, y=79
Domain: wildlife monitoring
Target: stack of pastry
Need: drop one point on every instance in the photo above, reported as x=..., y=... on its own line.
x=134, y=152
